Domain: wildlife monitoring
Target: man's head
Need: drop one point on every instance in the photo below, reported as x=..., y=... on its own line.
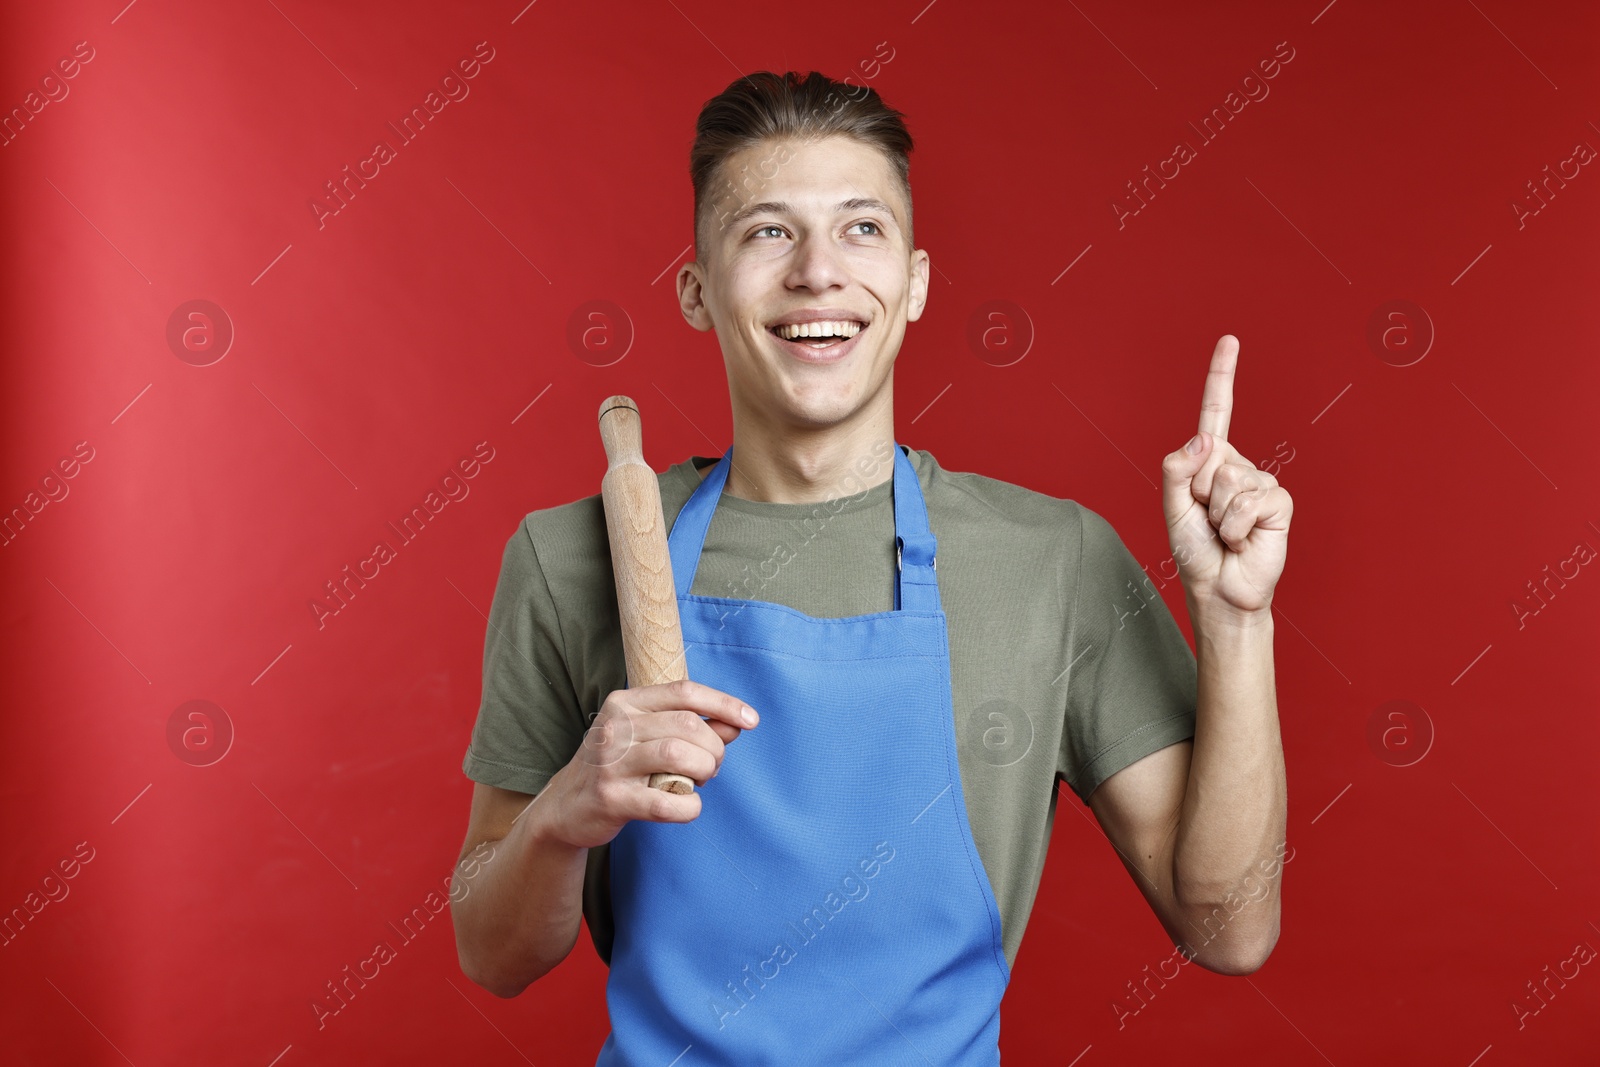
x=803, y=205
x=767, y=108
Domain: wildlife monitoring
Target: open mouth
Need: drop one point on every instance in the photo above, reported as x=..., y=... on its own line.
x=812, y=341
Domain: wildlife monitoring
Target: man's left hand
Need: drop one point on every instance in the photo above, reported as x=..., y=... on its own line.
x=1227, y=521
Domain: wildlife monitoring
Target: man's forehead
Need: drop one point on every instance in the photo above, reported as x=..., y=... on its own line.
x=791, y=161
x=817, y=173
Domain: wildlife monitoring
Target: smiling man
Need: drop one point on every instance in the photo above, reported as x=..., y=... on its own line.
x=895, y=667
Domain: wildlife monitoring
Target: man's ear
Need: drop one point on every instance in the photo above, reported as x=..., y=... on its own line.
x=919, y=285
x=691, y=297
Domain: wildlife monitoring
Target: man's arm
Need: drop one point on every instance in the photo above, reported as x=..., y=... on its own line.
x=517, y=907
x=517, y=893
x=1200, y=825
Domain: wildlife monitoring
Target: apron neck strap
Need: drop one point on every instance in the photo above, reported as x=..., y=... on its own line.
x=916, y=586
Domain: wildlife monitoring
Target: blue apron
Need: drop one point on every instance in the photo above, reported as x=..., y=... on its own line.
x=828, y=905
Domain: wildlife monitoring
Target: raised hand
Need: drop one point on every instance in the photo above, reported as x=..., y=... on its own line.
x=1227, y=521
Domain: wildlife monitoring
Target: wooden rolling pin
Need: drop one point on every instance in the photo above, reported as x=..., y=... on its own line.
x=652, y=636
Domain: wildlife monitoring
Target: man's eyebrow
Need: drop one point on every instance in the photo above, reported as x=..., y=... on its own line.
x=782, y=207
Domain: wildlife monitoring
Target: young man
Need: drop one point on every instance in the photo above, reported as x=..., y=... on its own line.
x=926, y=653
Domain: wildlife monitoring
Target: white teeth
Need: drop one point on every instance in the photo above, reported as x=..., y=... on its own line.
x=818, y=329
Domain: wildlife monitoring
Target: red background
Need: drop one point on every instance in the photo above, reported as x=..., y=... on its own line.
x=372, y=353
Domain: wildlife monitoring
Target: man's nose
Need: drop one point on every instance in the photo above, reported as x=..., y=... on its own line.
x=818, y=263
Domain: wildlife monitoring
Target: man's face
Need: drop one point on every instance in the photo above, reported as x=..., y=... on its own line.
x=834, y=241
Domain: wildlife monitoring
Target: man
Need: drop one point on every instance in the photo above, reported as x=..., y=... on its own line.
x=893, y=666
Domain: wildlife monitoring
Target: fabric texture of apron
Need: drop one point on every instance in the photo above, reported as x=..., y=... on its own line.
x=828, y=905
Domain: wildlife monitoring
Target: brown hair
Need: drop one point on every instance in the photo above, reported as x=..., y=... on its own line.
x=766, y=106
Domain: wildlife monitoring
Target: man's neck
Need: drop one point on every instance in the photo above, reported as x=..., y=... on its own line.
x=784, y=468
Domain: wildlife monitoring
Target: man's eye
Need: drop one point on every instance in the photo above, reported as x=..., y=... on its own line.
x=876, y=229
x=764, y=229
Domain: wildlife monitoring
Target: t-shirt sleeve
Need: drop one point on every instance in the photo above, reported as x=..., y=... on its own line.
x=529, y=722
x=1132, y=681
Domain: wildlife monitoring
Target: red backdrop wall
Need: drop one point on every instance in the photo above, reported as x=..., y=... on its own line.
x=1398, y=224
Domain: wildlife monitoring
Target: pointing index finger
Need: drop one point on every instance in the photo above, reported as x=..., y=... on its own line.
x=1216, y=406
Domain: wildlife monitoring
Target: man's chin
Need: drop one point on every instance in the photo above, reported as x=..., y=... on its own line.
x=806, y=403
x=820, y=412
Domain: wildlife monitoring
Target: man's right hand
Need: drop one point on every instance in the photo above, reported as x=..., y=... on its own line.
x=640, y=732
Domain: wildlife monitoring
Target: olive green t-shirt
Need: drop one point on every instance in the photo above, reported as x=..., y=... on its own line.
x=1065, y=664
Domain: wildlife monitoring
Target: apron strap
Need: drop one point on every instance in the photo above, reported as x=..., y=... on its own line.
x=688, y=533
x=916, y=585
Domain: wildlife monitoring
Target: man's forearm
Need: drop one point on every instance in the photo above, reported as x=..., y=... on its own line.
x=519, y=914
x=1231, y=826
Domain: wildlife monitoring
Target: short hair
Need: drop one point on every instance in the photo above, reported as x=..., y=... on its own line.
x=766, y=106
